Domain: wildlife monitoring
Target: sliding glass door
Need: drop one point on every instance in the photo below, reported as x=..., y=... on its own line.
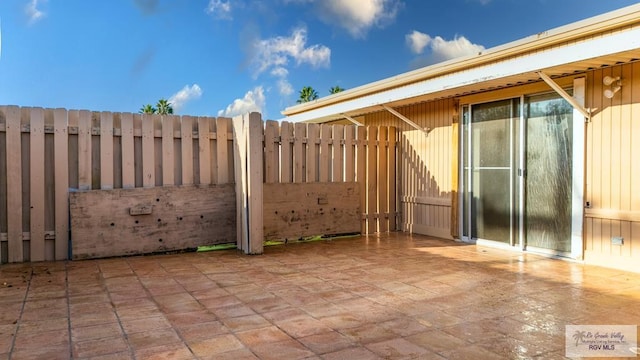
x=517, y=172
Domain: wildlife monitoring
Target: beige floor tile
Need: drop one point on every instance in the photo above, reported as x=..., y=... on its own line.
x=288, y=349
x=326, y=342
x=215, y=345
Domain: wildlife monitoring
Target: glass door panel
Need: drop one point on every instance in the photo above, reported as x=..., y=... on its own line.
x=549, y=168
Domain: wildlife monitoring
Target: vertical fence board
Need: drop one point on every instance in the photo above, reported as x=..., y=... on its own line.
x=186, y=133
x=349, y=153
x=128, y=153
x=148, y=153
x=168, y=175
x=271, y=154
x=84, y=150
x=240, y=139
x=383, y=180
x=61, y=176
x=313, y=136
x=392, y=179
x=325, y=139
x=14, y=184
x=299, y=161
x=106, y=150
x=286, y=153
x=222, y=132
x=361, y=178
x=36, y=184
x=337, y=154
x=372, y=180
x=256, y=178
x=204, y=146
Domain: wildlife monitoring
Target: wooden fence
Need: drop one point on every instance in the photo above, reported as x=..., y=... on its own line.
x=46, y=153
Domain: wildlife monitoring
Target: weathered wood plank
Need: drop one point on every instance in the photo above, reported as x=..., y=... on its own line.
x=256, y=182
x=14, y=184
x=349, y=153
x=186, y=130
x=337, y=154
x=181, y=218
x=372, y=180
x=61, y=178
x=128, y=153
x=106, y=150
x=148, y=152
x=272, y=158
x=36, y=184
x=84, y=150
x=222, y=143
x=204, y=150
x=240, y=137
x=168, y=175
x=299, y=160
x=313, y=136
x=292, y=211
x=324, y=173
x=393, y=135
x=383, y=180
x=286, y=152
x=361, y=176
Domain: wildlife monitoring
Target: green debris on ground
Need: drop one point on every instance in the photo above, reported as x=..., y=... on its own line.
x=278, y=242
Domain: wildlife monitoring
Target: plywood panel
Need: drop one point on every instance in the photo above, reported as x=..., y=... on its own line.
x=179, y=218
x=36, y=184
x=61, y=179
x=292, y=211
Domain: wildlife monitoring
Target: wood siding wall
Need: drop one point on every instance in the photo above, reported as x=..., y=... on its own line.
x=426, y=161
x=46, y=152
x=613, y=170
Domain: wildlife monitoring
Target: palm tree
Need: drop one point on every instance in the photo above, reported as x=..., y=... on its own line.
x=147, y=109
x=164, y=107
x=307, y=94
x=335, y=89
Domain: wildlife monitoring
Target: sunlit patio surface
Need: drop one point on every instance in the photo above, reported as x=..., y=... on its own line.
x=389, y=297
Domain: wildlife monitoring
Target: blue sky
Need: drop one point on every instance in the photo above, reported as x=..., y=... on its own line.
x=217, y=57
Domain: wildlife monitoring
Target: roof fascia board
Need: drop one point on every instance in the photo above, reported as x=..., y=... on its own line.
x=601, y=23
x=588, y=49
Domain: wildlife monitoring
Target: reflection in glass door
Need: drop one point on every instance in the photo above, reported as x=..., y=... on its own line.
x=513, y=193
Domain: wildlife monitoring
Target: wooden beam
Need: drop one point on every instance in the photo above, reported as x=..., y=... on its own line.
x=565, y=95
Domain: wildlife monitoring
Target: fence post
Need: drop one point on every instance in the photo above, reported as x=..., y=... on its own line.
x=248, y=136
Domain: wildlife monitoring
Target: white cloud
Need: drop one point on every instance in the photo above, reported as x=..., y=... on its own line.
x=33, y=13
x=440, y=49
x=275, y=53
x=284, y=87
x=417, y=41
x=219, y=8
x=358, y=16
x=253, y=100
x=186, y=94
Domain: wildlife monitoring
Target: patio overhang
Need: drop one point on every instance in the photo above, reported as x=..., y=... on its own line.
x=570, y=50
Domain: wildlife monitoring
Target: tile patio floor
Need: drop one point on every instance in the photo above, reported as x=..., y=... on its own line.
x=388, y=297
